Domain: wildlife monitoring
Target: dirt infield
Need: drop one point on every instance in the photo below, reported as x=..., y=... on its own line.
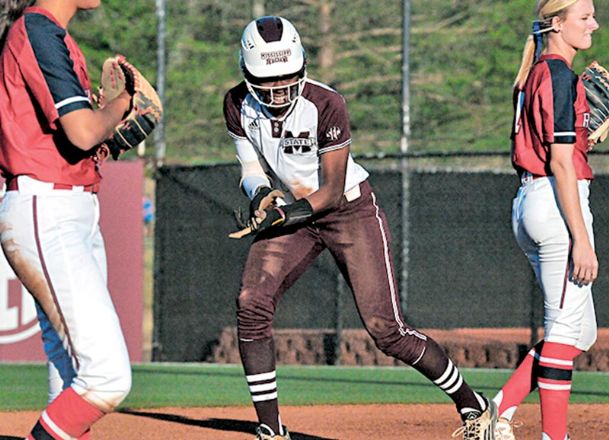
x=469, y=347
x=344, y=422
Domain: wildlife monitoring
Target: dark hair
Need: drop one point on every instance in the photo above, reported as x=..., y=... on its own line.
x=11, y=10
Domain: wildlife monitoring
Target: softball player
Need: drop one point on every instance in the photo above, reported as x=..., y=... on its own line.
x=551, y=216
x=292, y=134
x=49, y=216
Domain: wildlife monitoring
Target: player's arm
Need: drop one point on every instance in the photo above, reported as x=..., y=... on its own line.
x=86, y=128
x=253, y=176
x=585, y=263
x=332, y=187
x=254, y=182
x=334, y=138
x=333, y=172
x=56, y=86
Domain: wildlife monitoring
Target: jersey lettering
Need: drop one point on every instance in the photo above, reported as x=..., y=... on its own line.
x=297, y=144
x=334, y=133
x=290, y=149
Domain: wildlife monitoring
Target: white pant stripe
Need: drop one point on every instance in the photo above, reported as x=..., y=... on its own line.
x=392, y=290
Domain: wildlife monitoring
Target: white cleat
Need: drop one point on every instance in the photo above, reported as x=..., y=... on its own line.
x=263, y=432
x=479, y=426
x=504, y=430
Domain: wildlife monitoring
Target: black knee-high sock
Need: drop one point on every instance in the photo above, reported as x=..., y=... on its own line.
x=437, y=367
x=39, y=433
x=258, y=358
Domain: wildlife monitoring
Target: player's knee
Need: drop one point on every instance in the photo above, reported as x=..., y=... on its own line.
x=118, y=389
x=385, y=335
x=394, y=341
x=254, y=315
x=123, y=383
x=587, y=339
x=121, y=391
x=108, y=392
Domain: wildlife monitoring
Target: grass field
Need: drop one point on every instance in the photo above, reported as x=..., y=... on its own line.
x=23, y=386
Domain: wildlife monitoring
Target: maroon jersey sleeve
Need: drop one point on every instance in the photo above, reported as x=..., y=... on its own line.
x=334, y=131
x=232, y=110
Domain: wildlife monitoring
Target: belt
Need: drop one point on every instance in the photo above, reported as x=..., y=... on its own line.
x=353, y=194
x=527, y=177
x=27, y=183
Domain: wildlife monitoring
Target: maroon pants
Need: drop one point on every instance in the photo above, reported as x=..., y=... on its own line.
x=357, y=235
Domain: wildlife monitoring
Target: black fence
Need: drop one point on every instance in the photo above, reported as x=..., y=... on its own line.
x=463, y=268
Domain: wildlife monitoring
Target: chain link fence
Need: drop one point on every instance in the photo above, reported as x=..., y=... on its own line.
x=464, y=268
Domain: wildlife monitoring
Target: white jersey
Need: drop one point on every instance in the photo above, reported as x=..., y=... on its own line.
x=289, y=148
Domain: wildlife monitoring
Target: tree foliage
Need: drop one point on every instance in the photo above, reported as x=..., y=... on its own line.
x=464, y=55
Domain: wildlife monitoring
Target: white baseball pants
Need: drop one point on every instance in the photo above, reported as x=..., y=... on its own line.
x=542, y=234
x=52, y=240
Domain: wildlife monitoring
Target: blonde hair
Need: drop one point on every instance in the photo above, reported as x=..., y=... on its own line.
x=546, y=11
x=11, y=10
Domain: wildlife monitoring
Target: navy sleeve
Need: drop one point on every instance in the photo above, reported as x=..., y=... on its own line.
x=564, y=93
x=53, y=57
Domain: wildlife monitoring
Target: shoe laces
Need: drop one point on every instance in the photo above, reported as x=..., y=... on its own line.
x=471, y=428
x=504, y=429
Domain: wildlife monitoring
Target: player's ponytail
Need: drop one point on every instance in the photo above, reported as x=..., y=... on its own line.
x=546, y=11
x=11, y=10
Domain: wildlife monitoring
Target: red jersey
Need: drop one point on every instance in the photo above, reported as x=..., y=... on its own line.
x=43, y=76
x=552, y=109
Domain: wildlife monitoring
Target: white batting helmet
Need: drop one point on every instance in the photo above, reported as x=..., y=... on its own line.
x=271, y=50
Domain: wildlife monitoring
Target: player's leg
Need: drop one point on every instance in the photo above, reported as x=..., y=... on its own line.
x=273, y=265
x=358, y=237
x=569, y=319
x=569, y=329
x=61, y=370
x=48, y=242
x=524, y=379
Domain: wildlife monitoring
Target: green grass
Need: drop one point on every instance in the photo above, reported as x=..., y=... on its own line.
x=23, y=386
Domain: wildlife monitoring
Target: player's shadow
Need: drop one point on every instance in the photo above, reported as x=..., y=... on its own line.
x=232, y=425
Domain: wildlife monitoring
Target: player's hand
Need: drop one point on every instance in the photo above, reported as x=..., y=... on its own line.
x=294, y=213
x=265, y=197
x=585, y=263
x=269, y=218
